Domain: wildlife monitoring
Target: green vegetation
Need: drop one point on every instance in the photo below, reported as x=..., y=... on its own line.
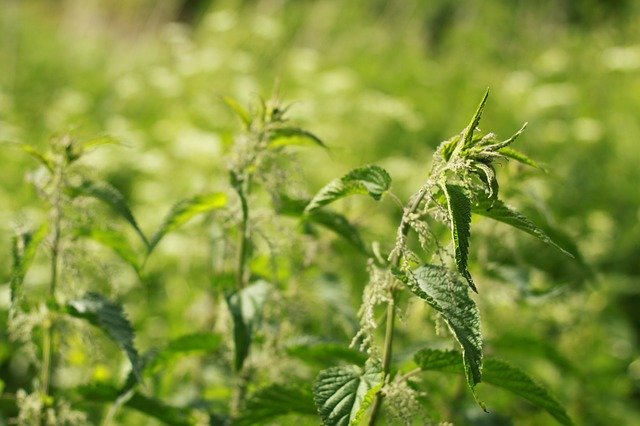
x=180, y=250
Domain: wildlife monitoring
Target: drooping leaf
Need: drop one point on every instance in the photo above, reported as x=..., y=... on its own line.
x=287, y=136
x=102, y=392
x=338, y=224
x=97, y=141
x=115, y=241
x=497, y=210
x=487, y=174
x=445, y=292
x=184, y=211
x=206, y=343
x=342, y=394
x=274, y=401
x=497, y=373
x=326, y=354
x=520, y=157
x=109, y=195
x=467, y=137
x=371, y=180
x=39, y=156
x=246, y=306
x=24, y=248
x=460, y=213
x=110, y=318
x=240, y=111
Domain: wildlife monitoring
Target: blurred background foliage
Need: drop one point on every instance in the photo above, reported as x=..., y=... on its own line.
x=379, y=81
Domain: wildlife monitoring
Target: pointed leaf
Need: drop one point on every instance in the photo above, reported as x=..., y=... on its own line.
x=338, y=224
x=372, y=180
x=40, y=157
x=109, y=195
x=110, y=318
x=184, y=211
x=240, y=111
x=520, y=157
x=445, y=292
x=473, y=124
x=460, y=213
x=497, y=373
x=24, y=248
x=115, y=241
x=487, y=175
x=287, y=136
x=274, y=401
x=497, y=210
x=246, y=311
x=342, y=394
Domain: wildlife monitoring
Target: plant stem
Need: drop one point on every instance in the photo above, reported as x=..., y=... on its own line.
x=48, y=335
x=245, y=236
x=391, y=313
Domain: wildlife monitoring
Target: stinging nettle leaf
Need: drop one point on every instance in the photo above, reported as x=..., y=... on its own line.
x=467, y=137
x=115, y=241
x=287, y=136
x=343, y=394
x=24, y=248
x=497, y=373
x=338, y=224
x=40, y=157
x=326, y=354
x=246, y=306
x=445, y=292
x=109, y=195
x=460, y=213
x=277, y=400
x=497, y=210
x=371, y=180
x=240, y=111
x=184, y=211
x=520, y=157
x=110, y=318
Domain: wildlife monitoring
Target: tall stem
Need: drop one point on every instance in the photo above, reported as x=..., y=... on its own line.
x=48, y=332
x=245, y=235
x=391, y=311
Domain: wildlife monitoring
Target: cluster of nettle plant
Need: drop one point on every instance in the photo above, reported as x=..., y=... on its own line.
x=462, y=181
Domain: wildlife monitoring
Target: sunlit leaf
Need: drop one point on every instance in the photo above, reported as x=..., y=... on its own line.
x=246, y=306
x=114, y=240
x=460, y=213
x=342, y=394
x=467, y=137
x=277, y=400
x=240, y=111
x=186, y=210
x=110, y=318
x=109, y=195
x=287, y=136
x=445, y=292
x=497, y=373
x=520, y=157
x=497, y=210
x=371, y=180
x=39, y=156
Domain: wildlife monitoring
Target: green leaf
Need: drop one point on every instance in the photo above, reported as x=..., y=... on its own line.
x=445, y=292
x=38, y=156
x=184, y=211
x=175, y=416
x=520, y=157
x=240, y=111
x=326, y=354
x=246, y=311
x=342, y=394
x=190, y=343
x=109, y=195
x=115, y=241
x=497, y=373
x=467, y=137
x=487, y=175
x=110, y=318
x=497, y=210
x=24, y=248
x=287, y=136
x=338, y=224
x=372, y=180
x=276, y=400
x=460, y=213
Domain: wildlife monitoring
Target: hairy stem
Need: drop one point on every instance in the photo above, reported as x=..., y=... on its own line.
x=244, y=238
x=391, y=314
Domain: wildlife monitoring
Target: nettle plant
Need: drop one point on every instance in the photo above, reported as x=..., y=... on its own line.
x=462, y=181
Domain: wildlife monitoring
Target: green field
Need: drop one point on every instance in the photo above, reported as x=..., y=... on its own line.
x=160, y=262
